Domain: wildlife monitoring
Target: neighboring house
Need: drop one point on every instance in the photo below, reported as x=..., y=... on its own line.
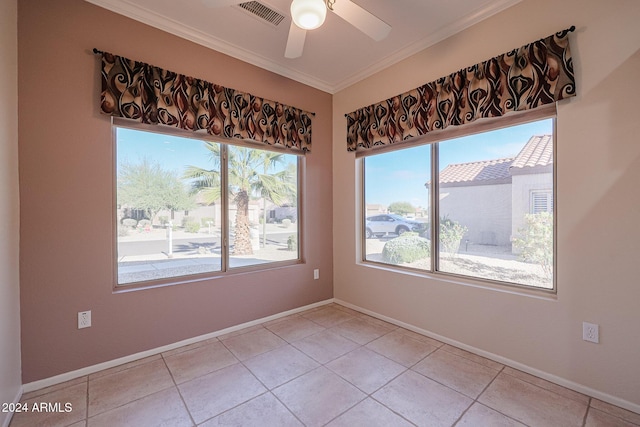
x=491, y=197
x=375, y=209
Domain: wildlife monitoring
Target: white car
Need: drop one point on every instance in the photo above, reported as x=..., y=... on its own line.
x=390, y=223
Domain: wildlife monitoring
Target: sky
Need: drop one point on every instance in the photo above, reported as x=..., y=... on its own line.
x=390, y=177
x=400, y=176
x=172, y=152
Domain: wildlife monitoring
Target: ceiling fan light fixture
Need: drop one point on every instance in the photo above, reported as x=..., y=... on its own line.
x=308, y=14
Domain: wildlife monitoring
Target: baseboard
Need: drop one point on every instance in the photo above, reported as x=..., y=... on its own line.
x=505, y=361
x=47, y=382
x=9, y=415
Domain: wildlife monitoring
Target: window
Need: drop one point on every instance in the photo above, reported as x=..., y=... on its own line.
x=541, y=201
x=189, y=206
x=491, y=216
x=394, y=190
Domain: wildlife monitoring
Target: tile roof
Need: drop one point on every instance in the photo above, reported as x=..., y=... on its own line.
x=538, y=151
x=485, y=170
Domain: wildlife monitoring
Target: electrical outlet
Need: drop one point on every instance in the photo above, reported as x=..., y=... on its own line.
x=316, y=274
x=84, y=319
x=590, y=332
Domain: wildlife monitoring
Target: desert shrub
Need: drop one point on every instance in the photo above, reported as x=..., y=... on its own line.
x=191, y=226
x=451, y=233
x=163, y=220
x=292, y=242
x=129, y=222
x=286, y=223
x=535, y=240
x=123, y=230
x=406, y=248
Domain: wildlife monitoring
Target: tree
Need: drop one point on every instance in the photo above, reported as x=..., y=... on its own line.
x=535, y=240
x=401, y=208
x=451, y=233
x=148, y=187
x=248, y=176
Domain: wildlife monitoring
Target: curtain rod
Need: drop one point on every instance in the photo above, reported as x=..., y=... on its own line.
x=571, y=29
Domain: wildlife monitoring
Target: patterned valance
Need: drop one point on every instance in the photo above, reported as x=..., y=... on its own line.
x=534, y=75
x=148, y=94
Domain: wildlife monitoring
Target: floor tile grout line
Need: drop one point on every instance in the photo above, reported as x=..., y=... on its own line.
x=324, y=365
x=502, y=370
x=633, y=423
x=267, y=388
x=56, y=387
x=370, y=395
x=175, y=384
x=267, y=391
x=477, y=401
x=134, y=364
x=442, y=347
x=86, y=411
x=586, y=414
x=348, y=409
x=546, y=389
x=129, y=402
x=367, y=395
x=478, y=396
x=391, y=409
x=286, y=407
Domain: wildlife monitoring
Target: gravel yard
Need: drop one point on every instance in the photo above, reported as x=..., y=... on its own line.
x=487, y=262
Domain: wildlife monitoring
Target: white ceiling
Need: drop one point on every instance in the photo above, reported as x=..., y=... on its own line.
x=335, y=56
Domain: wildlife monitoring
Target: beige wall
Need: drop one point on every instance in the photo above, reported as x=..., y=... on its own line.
x=10, y=384
x=66, y=169
x=598, y=157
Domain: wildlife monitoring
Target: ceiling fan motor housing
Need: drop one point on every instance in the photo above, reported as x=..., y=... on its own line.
x=308, y=14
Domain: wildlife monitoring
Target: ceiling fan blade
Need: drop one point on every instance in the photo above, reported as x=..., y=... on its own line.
x=295, y=41
x=366, y=22
x=220, y=3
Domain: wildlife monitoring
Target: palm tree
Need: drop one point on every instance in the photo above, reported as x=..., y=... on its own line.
x=248, y=176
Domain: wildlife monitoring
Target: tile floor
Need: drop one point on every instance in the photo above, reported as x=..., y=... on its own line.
x=326, y=366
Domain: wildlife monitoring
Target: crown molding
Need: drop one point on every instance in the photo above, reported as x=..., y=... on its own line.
x=176, y=28
x=154, y=19
x=440, y=35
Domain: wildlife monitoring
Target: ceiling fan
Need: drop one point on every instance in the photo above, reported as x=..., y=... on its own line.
x=310, y=14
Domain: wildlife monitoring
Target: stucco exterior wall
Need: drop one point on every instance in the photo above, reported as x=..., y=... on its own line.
x=484, y=209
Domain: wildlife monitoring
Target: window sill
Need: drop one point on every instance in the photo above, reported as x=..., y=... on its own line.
x=503, y=287
x=196, y=278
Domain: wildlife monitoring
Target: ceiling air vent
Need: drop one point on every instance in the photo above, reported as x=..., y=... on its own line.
x=263, y=12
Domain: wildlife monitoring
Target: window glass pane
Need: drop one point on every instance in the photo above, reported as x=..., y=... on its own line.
x=496, y=205
x=263, y=206
x=165, y=227
x=397, y=207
